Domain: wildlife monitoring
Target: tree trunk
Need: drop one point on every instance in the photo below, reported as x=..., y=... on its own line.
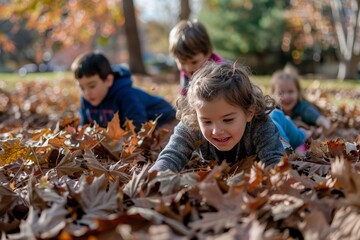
x=136, y=62
x=353, y=70
x=185, y=10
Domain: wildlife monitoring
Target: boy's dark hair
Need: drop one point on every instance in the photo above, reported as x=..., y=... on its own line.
x=188, y=38
x=90, y=64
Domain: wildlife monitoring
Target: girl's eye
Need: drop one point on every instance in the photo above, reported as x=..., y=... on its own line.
x=228, y=120
x=206, y=122
x=92, y=86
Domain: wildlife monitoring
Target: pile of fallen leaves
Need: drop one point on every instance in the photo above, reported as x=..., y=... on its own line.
x=71, y=182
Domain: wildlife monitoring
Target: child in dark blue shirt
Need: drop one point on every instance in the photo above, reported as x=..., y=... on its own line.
x=107, y=89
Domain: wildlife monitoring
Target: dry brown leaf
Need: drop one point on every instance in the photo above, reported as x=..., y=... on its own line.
x=171, y=182
x=98, y=199
x=318, y=152
x=7, y=198
x=315, y=225
x=284, y=205
x=217, y=222
x=348, y=179
x=137, y=182
x=346, y=224
x=11, y=150
x=157, y=218
x=250, y=229
x=336, y=148
x=69, y=165
x=113, y=128
x=229, y=201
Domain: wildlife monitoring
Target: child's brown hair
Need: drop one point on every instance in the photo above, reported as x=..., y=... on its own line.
x=228, y=81
x=189, y=38
x=288, y=75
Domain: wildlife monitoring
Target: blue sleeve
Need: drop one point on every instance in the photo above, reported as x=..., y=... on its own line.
x=308, y=112
x=132, y=108
x=287, y=129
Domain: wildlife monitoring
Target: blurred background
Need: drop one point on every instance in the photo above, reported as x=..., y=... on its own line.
x=320, y=37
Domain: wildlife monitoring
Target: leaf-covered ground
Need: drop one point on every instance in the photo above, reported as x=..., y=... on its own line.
x=62, y=181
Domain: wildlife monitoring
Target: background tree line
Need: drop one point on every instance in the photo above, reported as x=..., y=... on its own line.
x=262, y=34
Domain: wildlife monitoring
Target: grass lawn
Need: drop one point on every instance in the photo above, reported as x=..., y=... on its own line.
x=167, y=87
x=11, y=79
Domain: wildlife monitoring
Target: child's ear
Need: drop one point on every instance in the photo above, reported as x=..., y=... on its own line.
x=250, y=113
x=109, y=80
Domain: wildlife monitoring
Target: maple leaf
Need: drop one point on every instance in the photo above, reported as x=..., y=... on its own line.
x=41, y=133
x=113, y=172
x=284, y=205
x=50, y=222
x=311, y=168
x=113, y=128
x=161, y=232
x=45, y=225
x=56, y=142
x=214, y=197
x=68, y=121
x=69, y=164
x=11, y=150
x=336, y=148
x=347, y=179
x=251, y=229
x=7, y=198
x=218, y=221
x=244, y=165
x=97, y=199
x=317, y=152
x=315, y=225
x=171, y=182
x=157, y=218
x=134, y=186
x=129, y=125
x=345, y=224
x=147, y=128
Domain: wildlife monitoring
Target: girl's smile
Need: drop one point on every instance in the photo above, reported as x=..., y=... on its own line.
x=222, y=124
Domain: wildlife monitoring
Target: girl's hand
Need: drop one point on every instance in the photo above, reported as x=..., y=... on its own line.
x=308, y=133
x=324, y=122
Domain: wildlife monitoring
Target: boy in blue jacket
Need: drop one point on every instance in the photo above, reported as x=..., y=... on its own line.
x=107, y=89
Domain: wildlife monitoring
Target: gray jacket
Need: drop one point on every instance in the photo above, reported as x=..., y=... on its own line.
x=260, y=138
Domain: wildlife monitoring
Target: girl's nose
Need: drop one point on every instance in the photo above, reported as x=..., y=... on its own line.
x=217, y=130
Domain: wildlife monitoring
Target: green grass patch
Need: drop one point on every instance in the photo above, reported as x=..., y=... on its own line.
x=11, y=79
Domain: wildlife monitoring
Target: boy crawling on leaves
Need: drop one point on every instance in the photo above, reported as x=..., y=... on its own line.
x=107, y=89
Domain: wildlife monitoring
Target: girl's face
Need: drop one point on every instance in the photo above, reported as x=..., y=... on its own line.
x=222, y=124
x=286, y=94
x=94, y=89
x=190, y=65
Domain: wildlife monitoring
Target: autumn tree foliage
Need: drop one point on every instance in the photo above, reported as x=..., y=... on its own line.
x=65, y=23
x=327, y=23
